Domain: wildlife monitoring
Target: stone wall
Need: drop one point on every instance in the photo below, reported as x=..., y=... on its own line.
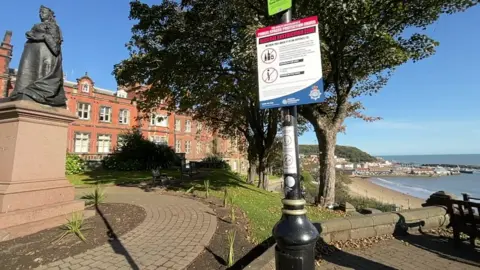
x=359, y=227
x=364, y=226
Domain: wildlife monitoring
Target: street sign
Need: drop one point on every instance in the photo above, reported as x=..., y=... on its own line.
x=277, y=6
x=289, y=64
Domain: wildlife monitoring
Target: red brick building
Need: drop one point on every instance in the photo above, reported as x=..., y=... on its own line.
x=104, y=115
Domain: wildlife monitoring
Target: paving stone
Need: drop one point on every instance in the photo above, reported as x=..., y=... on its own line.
x=167, y=232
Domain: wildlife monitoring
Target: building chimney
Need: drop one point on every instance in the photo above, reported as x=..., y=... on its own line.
x=7, y=39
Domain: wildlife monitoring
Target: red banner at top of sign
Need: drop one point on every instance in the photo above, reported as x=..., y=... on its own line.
x=275, y=29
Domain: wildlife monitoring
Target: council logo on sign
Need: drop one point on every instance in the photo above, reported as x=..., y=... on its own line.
x=315, y=93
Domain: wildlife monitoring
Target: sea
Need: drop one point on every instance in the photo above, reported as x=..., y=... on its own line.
x=423, y=187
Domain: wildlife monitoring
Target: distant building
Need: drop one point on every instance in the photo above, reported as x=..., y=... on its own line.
x=423, y=171
x=104, y=115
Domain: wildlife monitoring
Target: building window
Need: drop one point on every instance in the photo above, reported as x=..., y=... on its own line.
x=199, y=147
x=178, y=146
x=85, y=88
x=188, y=126
x=178, y=125
x=159, y=139
x=105, y=114
x=159, y=120
x=121, y=94
x=188, y=146
x=83, y=111
x=82, y=141
x=104, y=143
x=199, y=126
x=124, y=117
x=121, y=140
x=208, y=148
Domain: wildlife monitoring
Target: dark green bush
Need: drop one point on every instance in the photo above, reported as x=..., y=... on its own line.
x=139, y=154
x=74, y=165
x=215, y=161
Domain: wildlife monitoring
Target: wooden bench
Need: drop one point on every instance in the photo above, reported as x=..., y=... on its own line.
x=465, y=218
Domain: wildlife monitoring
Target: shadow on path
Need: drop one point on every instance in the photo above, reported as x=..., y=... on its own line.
x=115, y=243
x=442, y=246
x=345, y=259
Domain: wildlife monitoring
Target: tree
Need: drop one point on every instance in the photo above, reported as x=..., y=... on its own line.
x=194, y=51
x=196, y=60
x=362, y=43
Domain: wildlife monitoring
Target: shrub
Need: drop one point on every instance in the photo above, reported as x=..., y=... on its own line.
x=140, y=154
x=231, y=251
x=74, y=165
x=215, y=161
x=96, y=197
x=206, y=184
x=74, y=225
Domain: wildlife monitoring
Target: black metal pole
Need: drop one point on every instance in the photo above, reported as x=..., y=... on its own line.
x=294, y=233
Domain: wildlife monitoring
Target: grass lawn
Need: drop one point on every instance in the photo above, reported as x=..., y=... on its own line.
x=103, y=177
x=263, y=208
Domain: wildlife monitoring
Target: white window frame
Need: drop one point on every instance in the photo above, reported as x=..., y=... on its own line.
x=199, y=126
x=81, y=142
x=84, y=109
x=199, y=147
x=85, y=88
x=124, y=117
x=120, y=141
x=104, y=146
x=105, y=112
x=178, y=125
x=122, y=94
x=154, y=120
x=188, y=147
x=178, y=146
x=188, y=125
x=159, y=139
x=208, y=148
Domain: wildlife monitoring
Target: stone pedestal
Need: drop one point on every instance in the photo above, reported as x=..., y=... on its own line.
x=34, y=193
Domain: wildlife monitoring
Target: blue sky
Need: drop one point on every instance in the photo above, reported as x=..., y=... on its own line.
x=429, y=107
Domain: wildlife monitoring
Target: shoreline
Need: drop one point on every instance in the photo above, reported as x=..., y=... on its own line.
x=363, y=187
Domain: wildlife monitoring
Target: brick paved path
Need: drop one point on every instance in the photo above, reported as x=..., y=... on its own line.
x=415, y=253
x=174, y=233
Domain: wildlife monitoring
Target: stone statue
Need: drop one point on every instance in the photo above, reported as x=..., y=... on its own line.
x=40, y=74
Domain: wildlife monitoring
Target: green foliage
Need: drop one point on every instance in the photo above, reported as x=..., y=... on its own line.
x=206, y=185
x=262, y=207
x=202, y=55
x=231, y=251
x=105, y=177
x=96, y=197
x=138, y=154
x=216, y=161
x=351, y=153
x=74, y=225
x=74, y=164
x=363, y=202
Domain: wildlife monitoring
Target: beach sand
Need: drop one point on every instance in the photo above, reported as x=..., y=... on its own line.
x=362, y=187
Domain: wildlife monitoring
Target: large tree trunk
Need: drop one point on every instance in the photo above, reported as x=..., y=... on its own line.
x=265, y=180
x=251, y=172
x=260, y=178
x=327, y=140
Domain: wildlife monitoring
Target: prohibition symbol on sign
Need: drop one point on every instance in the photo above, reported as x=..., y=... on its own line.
x=269, y=75
x=269, y=56
x=288, y=160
